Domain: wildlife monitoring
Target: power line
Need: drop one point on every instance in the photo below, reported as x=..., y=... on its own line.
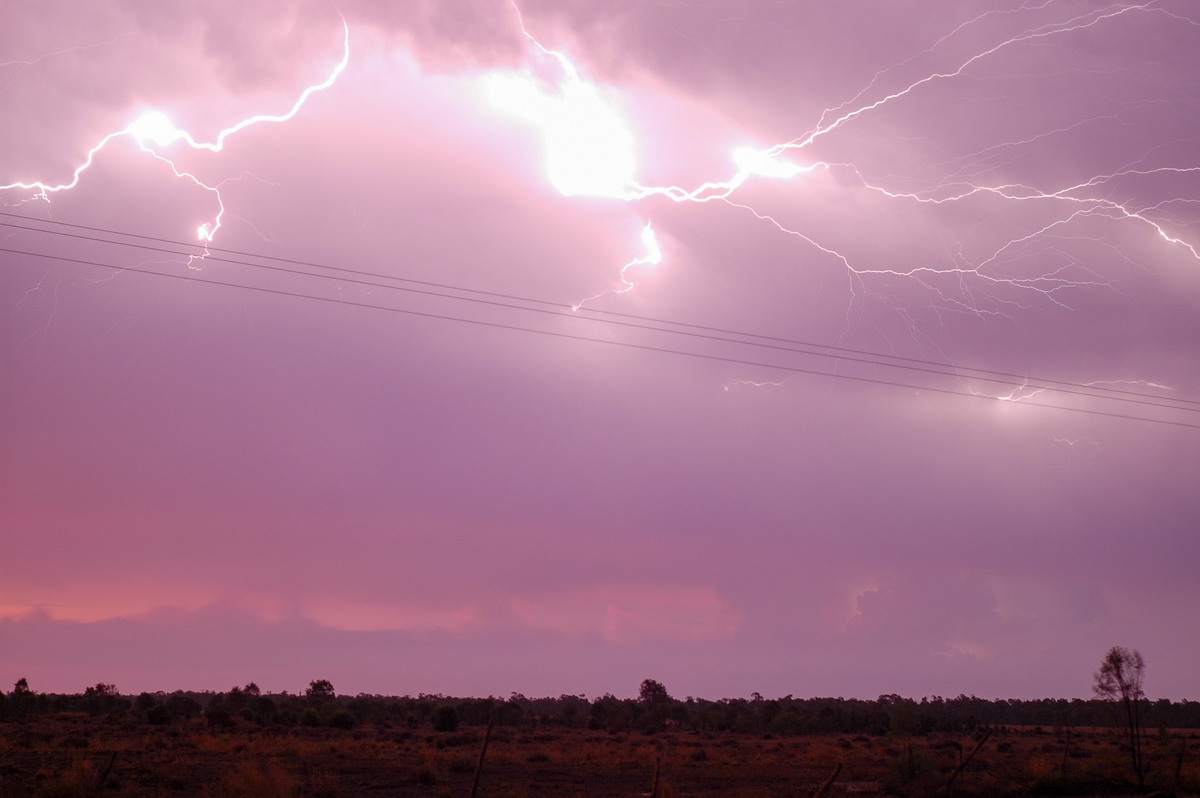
x=564, y=311
x=496, y=299
x=609, y=342
x=202, y=251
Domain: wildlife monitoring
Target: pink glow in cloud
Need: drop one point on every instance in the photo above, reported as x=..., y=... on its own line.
x=898, y=394
x=631, y=615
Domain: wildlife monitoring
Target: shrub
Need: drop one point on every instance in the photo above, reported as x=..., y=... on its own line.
x=262, y=780
x=910, y=772
x=342, y=719
x=159, y=715
x=445, y=719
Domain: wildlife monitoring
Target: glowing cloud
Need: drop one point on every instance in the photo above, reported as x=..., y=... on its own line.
x=589, y=151
x=589, y=148
x=153, y=127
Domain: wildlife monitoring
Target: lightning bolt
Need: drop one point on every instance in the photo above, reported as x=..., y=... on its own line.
x=590, y=152
x=652, y=257
x=23, y=64
x=590, y=148
x=754, y=383
x=153, y=132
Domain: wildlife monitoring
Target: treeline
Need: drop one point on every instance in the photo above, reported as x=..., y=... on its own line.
x=653, y=710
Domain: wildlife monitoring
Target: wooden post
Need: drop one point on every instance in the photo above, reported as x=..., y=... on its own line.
x=482, y=753
x=104, y=773
x=825, y=784
x=970, y=756
x=657, y=766
x=1066, y=749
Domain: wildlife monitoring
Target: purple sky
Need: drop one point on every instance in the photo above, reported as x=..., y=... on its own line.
x=237, y=473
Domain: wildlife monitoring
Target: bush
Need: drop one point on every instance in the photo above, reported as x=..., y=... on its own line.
x=265, y=711
x=159, y=715
x=910, y=772
x=218, y=716
x=342, y=719
x=445, y=719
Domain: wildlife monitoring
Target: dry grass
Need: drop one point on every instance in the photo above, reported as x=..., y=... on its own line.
x=65, y=757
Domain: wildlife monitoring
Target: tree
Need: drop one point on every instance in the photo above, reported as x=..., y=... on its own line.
x=320, y=689
x=655, y=703
x=20, y=701
x=1120, y=679
x=264, y=709
x=144, y=703
x=182, y=706
x=653, y=693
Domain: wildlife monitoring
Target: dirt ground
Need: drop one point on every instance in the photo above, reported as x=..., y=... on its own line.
x=79, y=756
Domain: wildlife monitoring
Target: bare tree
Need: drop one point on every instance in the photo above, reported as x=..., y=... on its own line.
x=1120, y=679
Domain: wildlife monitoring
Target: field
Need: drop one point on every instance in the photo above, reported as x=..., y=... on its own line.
x=76, y=755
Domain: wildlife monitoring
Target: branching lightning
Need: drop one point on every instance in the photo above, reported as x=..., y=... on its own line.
x=153, y=132
x=23, y=64
x=590, y=148
x=590, y=151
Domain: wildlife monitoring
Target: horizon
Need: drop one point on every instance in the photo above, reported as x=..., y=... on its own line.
x=491, y=346
x=754, y=697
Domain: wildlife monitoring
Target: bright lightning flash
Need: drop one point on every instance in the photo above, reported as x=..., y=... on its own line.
x=589, y=148
x=154, y=131
x=590, y=151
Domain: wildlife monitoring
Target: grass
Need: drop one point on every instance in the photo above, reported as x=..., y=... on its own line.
x=67, y=756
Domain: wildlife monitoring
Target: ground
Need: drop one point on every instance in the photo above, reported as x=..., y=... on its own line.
x=74, y=755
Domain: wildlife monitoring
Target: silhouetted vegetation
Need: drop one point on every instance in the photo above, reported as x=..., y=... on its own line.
x=653, y=710
x=1120, y=679
x=281, y=744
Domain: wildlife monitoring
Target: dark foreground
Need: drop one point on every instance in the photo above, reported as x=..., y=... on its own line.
x=81, y=756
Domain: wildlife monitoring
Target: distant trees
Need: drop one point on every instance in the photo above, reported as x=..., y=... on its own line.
x=651, y=709
x=1120, y=679
x=445, y=719
x=182, y=706
x=103, y=699
x=159, y=715
x=218, y=713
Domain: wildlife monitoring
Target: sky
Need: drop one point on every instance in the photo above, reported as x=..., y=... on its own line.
x=824, y=348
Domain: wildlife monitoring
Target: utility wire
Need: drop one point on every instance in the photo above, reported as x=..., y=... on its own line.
x=842, y=354
x=569, y=336
x=204, y=252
